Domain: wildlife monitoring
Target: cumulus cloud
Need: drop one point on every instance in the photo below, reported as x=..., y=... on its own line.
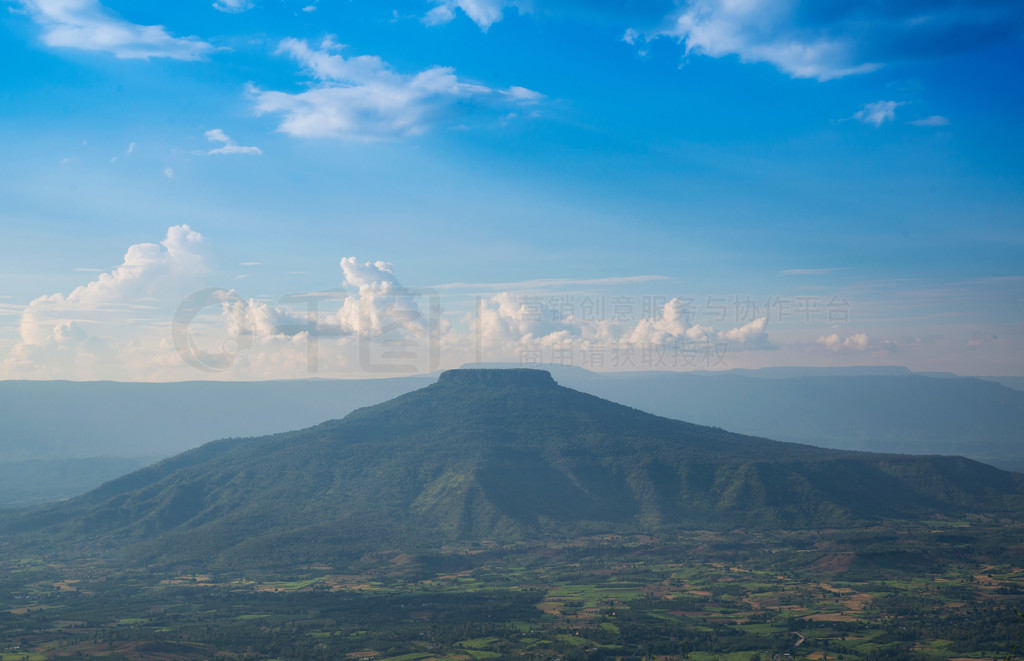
x=229, y=146
x=73, y=335
x=855, y=342
x=878, y=113
x=87, y=25
x=371, y=304
x=363, y=98
x=833, y=342
x=751, y=335
x=146, y=267
x=506, y=323
x=372, y=324
x=152, y=318
x=826, y=39
x=484, y=13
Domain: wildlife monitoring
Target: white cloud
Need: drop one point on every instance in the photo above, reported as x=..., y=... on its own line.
x=833, y=342
x=362, y=98
x=150, y=318
x=484, y=13
x=229, y=146
x=509, y=322
x=372, y=301
x=131, y=148
x=878, y=113
x=934, y=120
x=232, y=6
x=237, y=148
x=523, y=95
x=77, y=335
x=87, y=25
x=217, y=135
x=826, y=39
x=763, y=31
x=854, y=343
x=169, y=173
x=750, y=335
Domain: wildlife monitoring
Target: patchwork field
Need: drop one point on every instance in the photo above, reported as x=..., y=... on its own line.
x=881, y=593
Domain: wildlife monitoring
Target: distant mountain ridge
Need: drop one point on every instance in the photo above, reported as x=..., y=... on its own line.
x=494, y=454
x=48, y=424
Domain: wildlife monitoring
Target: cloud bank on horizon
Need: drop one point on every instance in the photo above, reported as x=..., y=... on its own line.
x=123, y=325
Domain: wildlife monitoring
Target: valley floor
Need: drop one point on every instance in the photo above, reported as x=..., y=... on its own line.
x=940, y=590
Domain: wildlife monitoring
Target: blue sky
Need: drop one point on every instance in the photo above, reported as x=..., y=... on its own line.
x=662, y=185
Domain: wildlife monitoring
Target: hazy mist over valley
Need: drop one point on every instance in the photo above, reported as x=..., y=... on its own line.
x=459, y=330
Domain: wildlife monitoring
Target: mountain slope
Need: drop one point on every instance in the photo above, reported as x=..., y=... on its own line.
x=874, y=409
x=496, y=454
x=875, y=412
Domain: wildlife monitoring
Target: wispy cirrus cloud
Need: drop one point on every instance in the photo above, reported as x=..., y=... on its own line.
x=88, y=25
x=808, y=271
x=827, y=39
x=232, y=6
x=363, y=98
x=540, y=283
x=228, y=145
x=878, y=113
x=934, y=120
x=979, y=338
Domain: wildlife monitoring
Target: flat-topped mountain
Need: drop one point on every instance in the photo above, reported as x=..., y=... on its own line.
x=494, y=454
